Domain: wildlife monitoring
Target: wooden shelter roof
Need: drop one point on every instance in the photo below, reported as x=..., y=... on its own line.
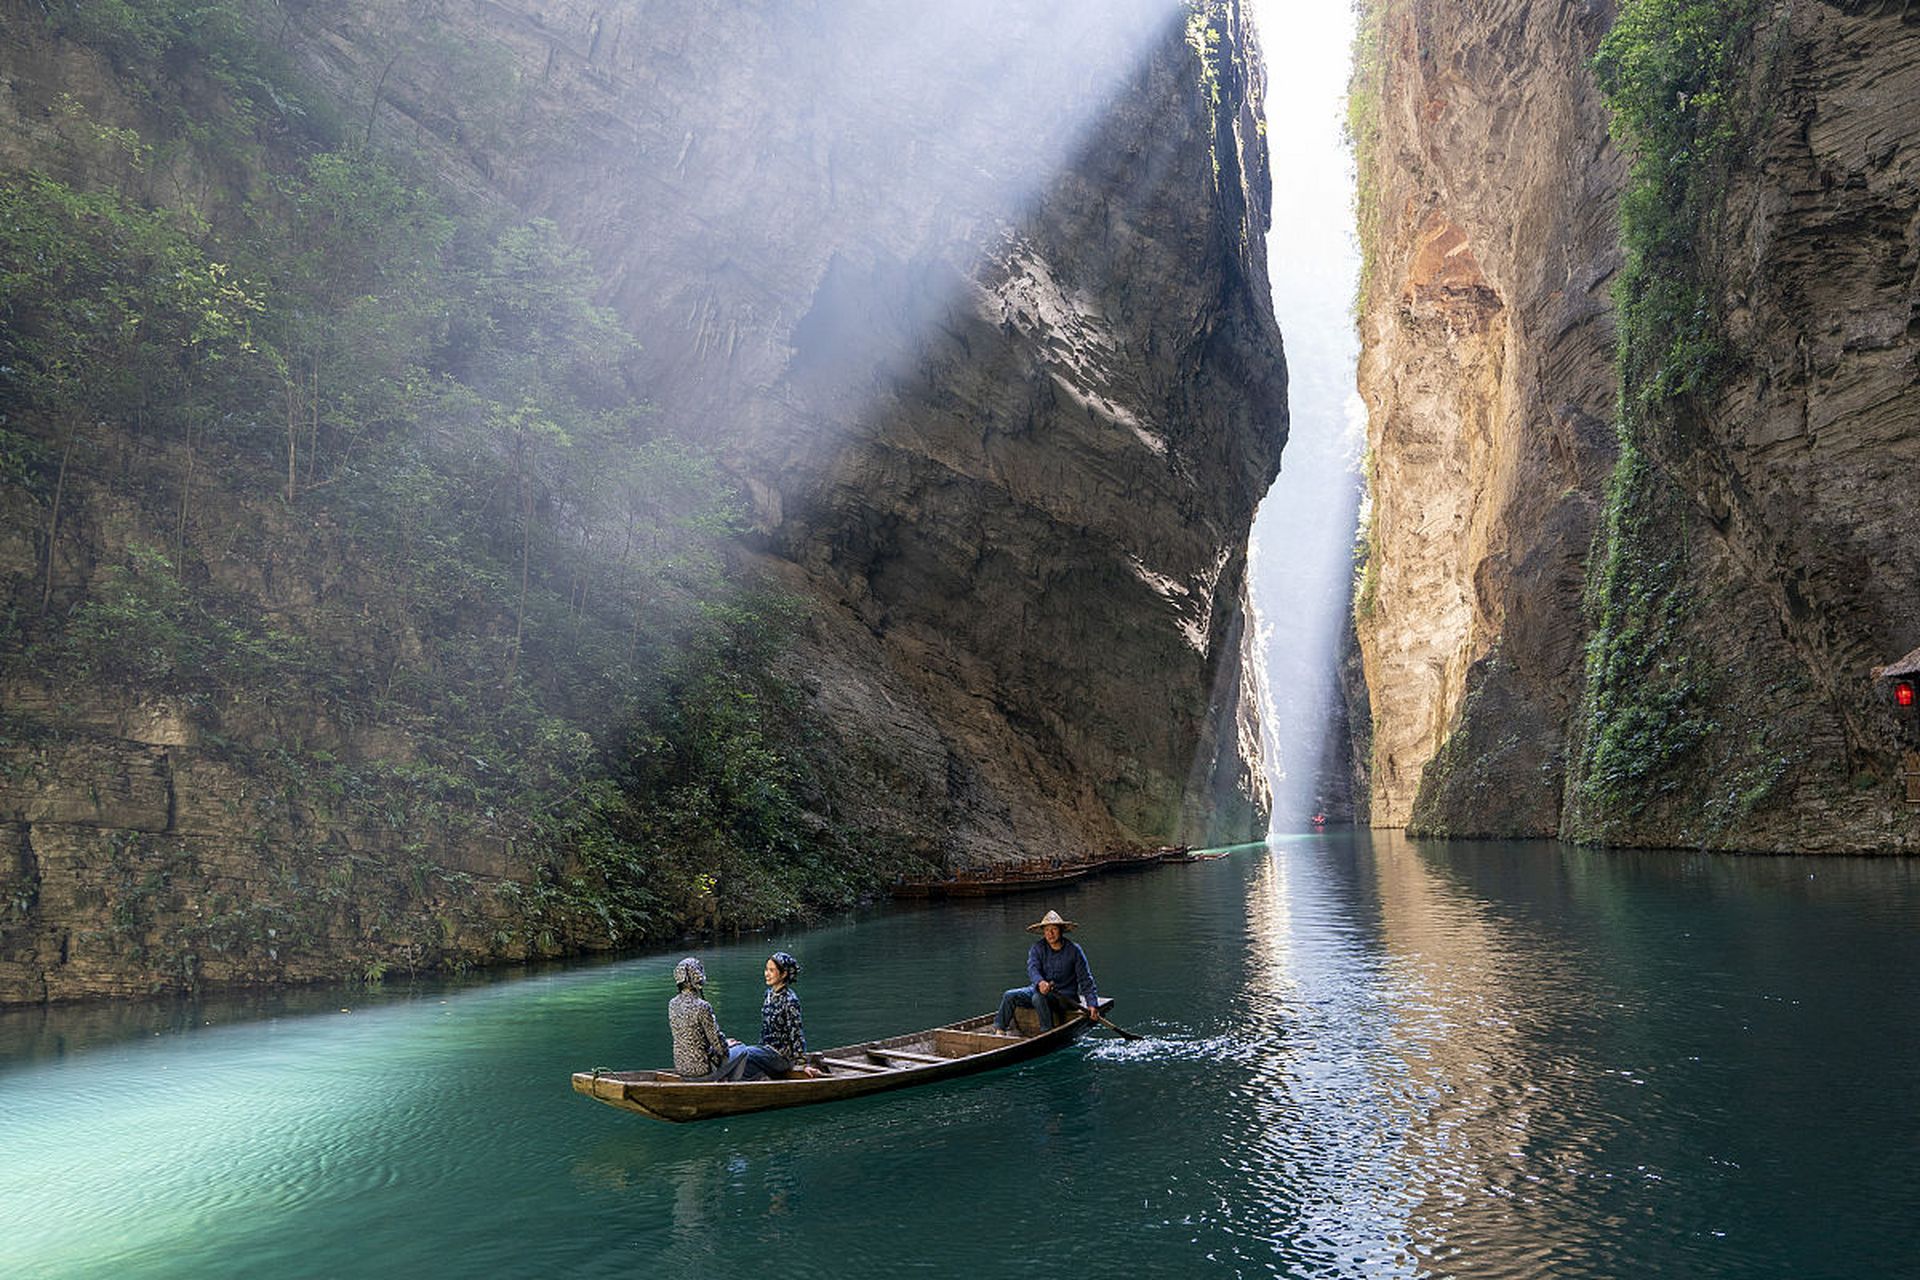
x=1907, y=666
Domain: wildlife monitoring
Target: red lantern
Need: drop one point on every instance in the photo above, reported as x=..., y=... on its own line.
x=1903, y=695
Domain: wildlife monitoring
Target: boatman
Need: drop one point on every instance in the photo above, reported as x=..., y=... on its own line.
x=1061, y=978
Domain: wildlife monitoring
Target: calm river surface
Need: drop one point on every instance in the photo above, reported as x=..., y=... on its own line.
x=1365, y=1056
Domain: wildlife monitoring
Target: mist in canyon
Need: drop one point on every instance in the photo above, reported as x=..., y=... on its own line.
x=495, y=498
x=783, y=450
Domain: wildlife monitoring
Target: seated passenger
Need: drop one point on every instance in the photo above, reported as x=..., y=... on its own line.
x=699, y=1049
x=783, y=1043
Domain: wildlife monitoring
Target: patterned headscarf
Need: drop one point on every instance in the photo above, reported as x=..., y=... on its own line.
x=689, y=975
x=789, y=967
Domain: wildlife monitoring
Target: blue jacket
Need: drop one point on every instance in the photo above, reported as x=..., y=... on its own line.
x=1066, y=969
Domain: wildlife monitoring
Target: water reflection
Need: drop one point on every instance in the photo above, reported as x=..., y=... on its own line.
x=1314, y=1149
x=1399, y=1078
x=1470, y=987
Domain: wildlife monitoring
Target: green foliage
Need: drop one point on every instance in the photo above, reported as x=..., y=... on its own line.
x=1366, y=551
x=109, y=308
x=1366, y=91
x=133, y=150
x=429, y=424
x=208, y=66
x=1660, y=732
x=1645, y=707
x=717, y=793
x=355, y=226
x=1204, y=34
x=1671, y=73
x=140, y=627
x=21, y=457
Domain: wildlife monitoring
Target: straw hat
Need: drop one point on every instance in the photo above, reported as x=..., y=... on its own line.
x=1052, y=917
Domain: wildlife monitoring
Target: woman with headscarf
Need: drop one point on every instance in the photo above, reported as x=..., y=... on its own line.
x=783, y=1042
x=699, y=1050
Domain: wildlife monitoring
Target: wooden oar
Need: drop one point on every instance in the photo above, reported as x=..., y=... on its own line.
x=1117, y=1029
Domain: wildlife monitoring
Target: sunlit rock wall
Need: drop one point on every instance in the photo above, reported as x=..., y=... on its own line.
x=973, y=296
x=1785, y=512
x=1487, y=370
x=970, y=297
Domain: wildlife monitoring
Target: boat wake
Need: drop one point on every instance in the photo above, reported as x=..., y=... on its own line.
x=1174, y=1046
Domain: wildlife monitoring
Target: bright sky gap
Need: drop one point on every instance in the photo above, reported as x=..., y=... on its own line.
x=1302, y=550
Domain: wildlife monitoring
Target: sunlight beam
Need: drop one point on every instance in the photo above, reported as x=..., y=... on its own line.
x=1303, y=536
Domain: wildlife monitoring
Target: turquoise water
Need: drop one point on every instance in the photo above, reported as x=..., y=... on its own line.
x=1365, y=1057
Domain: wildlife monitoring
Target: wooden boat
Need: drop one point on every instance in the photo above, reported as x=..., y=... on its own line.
x=986, y=886
x=1034, y=873
x=853, y=1071
x=1206, y=856
x=1130, y=860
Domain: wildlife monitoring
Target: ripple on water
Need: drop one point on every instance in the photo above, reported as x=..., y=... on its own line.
x=1177, y=1047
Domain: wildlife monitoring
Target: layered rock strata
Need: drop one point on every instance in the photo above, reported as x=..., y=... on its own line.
x=1766, y=525
x=1487, y=370
x=1781, y=503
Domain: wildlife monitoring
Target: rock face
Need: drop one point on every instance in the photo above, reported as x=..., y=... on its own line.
x=1775, y=515
x=1487, y=370
x=972, y=301
x=133, y=860
x=1792, y=515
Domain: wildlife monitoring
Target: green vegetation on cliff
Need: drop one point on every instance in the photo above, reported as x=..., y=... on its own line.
x=357, y=476
x=1366, y=89
x=1675, y=74
x=1644, y=707
x=1205, y=27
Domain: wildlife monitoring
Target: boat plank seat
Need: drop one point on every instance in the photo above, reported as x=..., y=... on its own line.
x=850, y=1065
x=905, y=1055
x=958, y=1044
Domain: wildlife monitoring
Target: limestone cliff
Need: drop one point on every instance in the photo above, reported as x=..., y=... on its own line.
x=970, y=301
x=1486, y=365
x=1774, y=489
x=973, y=297
x=1748, y=560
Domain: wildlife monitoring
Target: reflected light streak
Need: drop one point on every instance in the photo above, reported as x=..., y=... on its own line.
x=1322, y=1137
x=1399, y=1108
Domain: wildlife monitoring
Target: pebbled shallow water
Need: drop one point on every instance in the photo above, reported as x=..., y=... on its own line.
x=1364, y=1056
